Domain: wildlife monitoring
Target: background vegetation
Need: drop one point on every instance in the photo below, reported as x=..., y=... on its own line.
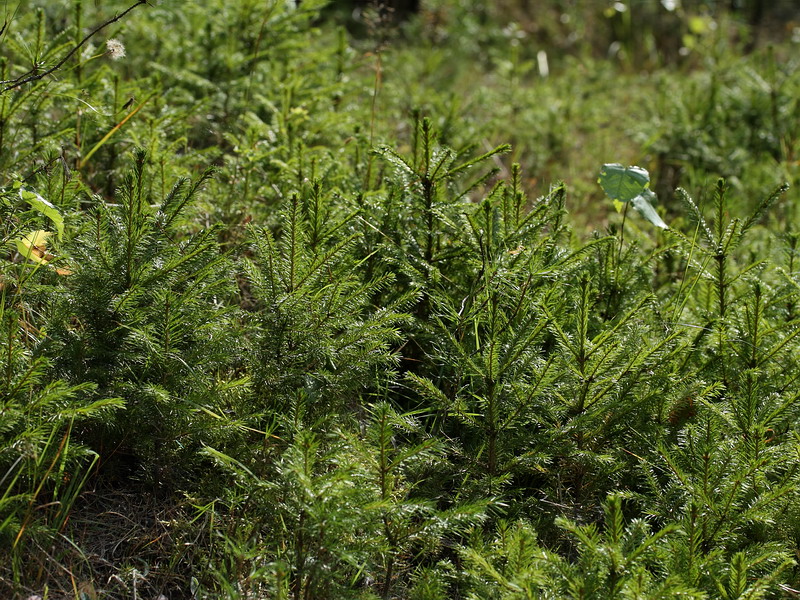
x=324, y=301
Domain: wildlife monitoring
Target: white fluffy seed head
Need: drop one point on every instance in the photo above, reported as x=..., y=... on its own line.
x=115, y=49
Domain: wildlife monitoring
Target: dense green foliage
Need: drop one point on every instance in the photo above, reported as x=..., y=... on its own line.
x=296, y=306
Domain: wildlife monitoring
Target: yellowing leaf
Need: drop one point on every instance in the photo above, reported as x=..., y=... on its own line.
x=33, y=246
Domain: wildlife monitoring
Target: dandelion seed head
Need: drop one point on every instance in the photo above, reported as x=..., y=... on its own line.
x=115, y=49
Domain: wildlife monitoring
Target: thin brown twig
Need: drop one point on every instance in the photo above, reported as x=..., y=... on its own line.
x=33, y=76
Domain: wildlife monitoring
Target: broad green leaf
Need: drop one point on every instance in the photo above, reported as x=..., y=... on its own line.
x=623, y=183
x=630, y=184
x=44, y=207
x=642, y=204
